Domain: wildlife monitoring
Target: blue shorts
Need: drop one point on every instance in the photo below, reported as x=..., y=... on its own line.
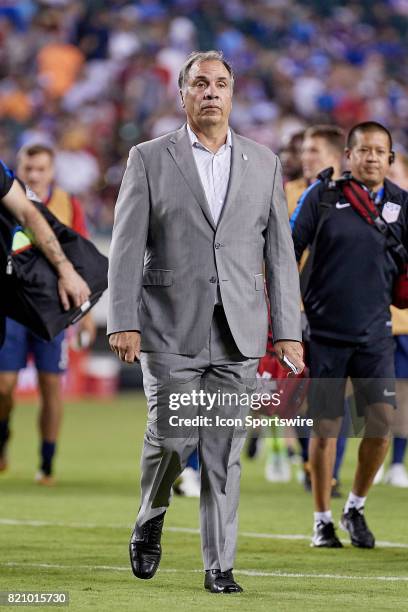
x=19, y=343
x=401, y=356
x=370, y=367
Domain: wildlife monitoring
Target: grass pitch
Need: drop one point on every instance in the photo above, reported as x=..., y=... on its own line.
x=74, y=537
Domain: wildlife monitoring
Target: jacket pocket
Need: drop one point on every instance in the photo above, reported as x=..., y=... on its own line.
x=259, y=282
x=161, y=278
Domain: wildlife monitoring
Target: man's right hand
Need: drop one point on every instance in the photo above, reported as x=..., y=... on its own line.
x=126, y=345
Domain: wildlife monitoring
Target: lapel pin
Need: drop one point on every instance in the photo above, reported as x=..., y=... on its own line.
x=244, y=157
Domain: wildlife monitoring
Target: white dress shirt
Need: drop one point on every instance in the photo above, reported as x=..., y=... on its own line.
x=214, y=171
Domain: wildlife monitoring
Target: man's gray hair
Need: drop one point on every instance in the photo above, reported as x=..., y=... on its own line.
x=198, y=57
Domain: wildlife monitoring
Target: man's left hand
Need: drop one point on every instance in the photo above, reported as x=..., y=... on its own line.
x=293, y=351
x=71, y=286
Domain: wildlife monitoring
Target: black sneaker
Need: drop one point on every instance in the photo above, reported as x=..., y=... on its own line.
x=355, y=524
x=324, y=536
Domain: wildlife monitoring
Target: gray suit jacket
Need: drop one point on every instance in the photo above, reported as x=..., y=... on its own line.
x=167, y=256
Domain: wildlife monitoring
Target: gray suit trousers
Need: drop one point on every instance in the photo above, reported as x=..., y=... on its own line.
x=219, y=365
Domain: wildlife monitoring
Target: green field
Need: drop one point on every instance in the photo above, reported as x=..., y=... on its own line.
x=74, y=537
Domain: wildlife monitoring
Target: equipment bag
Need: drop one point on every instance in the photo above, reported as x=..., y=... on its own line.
x=30, y=283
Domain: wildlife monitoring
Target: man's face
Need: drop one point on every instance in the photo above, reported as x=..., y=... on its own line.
x=37, y=171
x=369, y=158
x=207, y=99
x=291, y=163
x=317, y=154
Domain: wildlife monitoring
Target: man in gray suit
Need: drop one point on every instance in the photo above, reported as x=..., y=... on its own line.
x=200, y=214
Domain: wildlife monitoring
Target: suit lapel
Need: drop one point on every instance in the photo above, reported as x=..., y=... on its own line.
x=239, y=166
x=181, y=151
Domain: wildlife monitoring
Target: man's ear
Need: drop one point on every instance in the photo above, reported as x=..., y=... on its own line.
x=182, y=99
x=347, y=153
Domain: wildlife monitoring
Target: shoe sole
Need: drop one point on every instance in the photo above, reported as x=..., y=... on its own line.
x=208, y=589
x=312, y=545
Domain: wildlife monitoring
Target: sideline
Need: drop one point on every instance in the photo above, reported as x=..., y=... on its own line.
x=244, y=534
x=243, y=572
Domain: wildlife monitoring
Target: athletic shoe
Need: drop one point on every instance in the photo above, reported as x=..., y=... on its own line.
x=277, y=468
x=397, y=476
x=324, y=536
x=355, y=524
x=188, y=483
x=45, y=480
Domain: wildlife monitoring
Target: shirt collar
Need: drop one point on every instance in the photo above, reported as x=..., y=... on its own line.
x=196, y=143
x=378, y=196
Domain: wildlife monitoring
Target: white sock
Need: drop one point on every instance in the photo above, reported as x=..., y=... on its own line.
x=323, y=517
x=354, y=501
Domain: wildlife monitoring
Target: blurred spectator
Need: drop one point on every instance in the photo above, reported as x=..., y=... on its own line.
x=59, y=62
x=76, y=169
x=322, y=146
x=111, y=66
x=16, y=100
x=399, y=171
x=290, y=157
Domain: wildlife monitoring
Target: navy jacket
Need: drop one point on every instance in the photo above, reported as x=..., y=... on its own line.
x=349, y=292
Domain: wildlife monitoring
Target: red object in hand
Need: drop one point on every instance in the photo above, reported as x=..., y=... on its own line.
x=292, y=390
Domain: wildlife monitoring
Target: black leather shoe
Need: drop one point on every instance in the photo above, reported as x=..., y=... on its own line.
x=217, y=581
x=145, y=549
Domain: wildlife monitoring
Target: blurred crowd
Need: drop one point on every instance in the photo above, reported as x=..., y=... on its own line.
x=92, y=78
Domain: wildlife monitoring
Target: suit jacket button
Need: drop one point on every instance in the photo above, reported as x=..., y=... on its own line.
x=213, y=279
x=217, y=245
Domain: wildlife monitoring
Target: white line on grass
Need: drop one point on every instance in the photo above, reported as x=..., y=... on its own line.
x=244, y=534
x=243, y=572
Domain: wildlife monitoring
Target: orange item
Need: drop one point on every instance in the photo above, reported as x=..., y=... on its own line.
x=59, y=65
x=68, y=210
x=17, y=105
